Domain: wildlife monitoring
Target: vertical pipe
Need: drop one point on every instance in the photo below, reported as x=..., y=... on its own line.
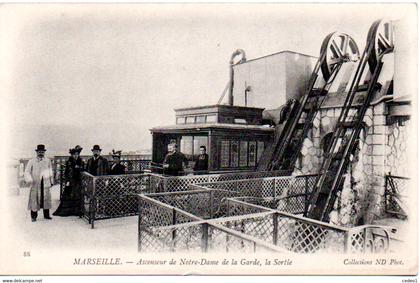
x=231, y=72
x=231, y=80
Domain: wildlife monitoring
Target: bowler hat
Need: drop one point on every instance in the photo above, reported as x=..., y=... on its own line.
x=40, y=147
x=96, y=147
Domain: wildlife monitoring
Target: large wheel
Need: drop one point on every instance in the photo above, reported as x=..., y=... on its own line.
x=337, y=47
x=381, y=36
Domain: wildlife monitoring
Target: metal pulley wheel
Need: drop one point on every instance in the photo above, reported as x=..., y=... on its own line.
x=381, y=36
x=337, y=47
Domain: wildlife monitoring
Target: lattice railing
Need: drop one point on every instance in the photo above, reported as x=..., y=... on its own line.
x=250, y=227
x=291, y=232
x=133, y=166
x=111, y=196
x=289, y=193
x=371, y=239
x=395, y=189
x=163, y=183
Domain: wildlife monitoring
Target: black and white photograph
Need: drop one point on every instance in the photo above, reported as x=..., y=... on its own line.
x=225, y=138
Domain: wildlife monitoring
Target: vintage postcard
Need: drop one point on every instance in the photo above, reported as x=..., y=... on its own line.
x=235, y=138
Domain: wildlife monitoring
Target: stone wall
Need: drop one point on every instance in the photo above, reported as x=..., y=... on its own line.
x=396, y=161
x=380, y=148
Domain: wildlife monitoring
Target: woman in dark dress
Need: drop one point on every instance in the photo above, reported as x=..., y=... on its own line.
x=71, y=200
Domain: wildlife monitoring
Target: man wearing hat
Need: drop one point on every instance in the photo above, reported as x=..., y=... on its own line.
x=97, y=165
x=39, y=176
x=116, y=168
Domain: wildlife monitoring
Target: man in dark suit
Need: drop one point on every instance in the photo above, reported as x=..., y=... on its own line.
x=202, y=161
x=97, y=165
x=116, y=168
x=172, y=165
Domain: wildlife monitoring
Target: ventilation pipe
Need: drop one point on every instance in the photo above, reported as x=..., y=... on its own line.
x=243, y=59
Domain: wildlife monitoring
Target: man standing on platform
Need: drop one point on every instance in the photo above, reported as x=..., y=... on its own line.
x=172, y=165
x=201, y=165
x=39, y=176
x=97, y=165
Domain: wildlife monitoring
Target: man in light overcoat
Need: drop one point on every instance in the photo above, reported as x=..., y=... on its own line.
x=39, y=176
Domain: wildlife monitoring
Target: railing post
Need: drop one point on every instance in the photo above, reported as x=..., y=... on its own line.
x=211, y=204
x=139, y=224
x=93, y=204
x=173, y=229
x=275, y=228
x=305, y=210
x=274, y=188
x=364, y=240
x=228, y=208
x=204, y=237
x=347, y=238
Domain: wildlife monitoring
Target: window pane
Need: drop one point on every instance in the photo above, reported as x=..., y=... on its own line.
x=180, y=120
x=190, y=120
x=199, y=141
x=200, y=119
x=239, y=121
x=234, y=153
x=252, y=151
x=211, y=119
x=224, y=154
x=260, y=150
x=243, y=158
x=187, y=146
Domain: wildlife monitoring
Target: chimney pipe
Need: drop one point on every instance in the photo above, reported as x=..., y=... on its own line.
x=243, y=59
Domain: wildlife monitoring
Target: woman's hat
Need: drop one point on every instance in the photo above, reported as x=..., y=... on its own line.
x=96, y=147
x=40, y=147
x=115, y=153
x=77, y=148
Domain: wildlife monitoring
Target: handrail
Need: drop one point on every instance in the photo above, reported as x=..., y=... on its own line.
x=300, y=218
x=167, y=206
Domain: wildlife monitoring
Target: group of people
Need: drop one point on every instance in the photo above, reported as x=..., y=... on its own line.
x=40, y=178
x=175, y=161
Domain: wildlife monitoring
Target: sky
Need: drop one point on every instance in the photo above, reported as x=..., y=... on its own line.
x=105, y=74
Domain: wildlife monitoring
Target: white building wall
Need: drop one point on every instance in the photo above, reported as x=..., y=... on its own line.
x=273, y=79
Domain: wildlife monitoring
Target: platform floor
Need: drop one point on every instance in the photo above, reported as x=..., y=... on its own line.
x=70, y=232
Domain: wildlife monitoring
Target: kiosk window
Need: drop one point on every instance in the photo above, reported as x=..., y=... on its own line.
x=243, y=157
x=224, y=154
x=180, y=120
x=252, y=150
x=234, y=154
x=260, y=150
x=211, y=119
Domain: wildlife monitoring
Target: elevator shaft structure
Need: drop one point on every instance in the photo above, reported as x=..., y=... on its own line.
x=344, y=141
x=337, y=48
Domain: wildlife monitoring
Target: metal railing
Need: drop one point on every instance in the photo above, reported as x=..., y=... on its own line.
x=251, y=228
x=286, y=193
x=164, y=183
x=114, y=196
x=133, y=167
x=395, y=188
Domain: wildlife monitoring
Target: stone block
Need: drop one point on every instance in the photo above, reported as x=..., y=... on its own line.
x=330, y=113
x=379, y=120
x=379, y=129
x=378, y=150
x=379, y=109
x=378, y=139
